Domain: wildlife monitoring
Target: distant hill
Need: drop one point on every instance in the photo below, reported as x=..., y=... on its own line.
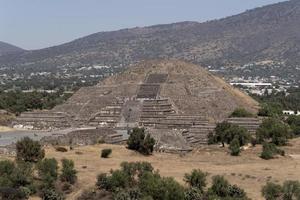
x=261, y=34
x=6, y=48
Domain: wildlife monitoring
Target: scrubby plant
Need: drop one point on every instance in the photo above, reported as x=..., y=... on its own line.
x=51, y=194
x=105, y=153
x=29, y=150
x=140, y=142
x=196, y=179
x=48, y=172
x=68, y=171
x=241, y=112
x=291, y=190
x=294, y=122
x=270, y=150
x=235, y=147
x=272, y=191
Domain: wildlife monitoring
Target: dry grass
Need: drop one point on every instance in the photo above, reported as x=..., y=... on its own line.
x=5, y=129
x=248, y=170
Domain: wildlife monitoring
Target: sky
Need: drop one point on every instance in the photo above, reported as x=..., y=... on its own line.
x=35, y=24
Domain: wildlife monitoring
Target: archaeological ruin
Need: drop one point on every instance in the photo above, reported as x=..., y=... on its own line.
x=174, y=101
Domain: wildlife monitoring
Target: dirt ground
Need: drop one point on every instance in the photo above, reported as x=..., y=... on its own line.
x=248, y=170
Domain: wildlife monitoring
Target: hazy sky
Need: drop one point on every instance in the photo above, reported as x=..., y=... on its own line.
x=33, y=24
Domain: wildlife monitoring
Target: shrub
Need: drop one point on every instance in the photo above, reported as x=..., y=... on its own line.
x=294, y=122
x=6, y=167
x=136, y=137
x=68, y=172
x=48, y=172
x=291, y=190
x=105, y=153
x=269, y=150
x=196, y=179
x=9, y=193
x=235, y=147
x=241, y=112
x=272, y=191
x=29, y=150
x=61, y=149
x=220, y=186
x=138, y=141
x=51, y=194
x=103, y=182
x=193, y=194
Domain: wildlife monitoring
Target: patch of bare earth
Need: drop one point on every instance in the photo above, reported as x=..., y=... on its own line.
x=248, y=170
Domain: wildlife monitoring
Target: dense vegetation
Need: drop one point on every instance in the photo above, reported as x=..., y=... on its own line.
x=31, y=174
x=276, y=102
x=139, y=141
x=289, y=190
x=138, y=180
x=17, y=101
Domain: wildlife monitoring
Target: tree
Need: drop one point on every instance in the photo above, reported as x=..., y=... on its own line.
x=196, y=179
x=68, y=172
x=225, y=132
x=140, y=142
x=273, y=129
x=29, y=150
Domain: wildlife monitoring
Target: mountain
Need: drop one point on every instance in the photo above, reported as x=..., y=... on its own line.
x=6, y=48
x=262, y=34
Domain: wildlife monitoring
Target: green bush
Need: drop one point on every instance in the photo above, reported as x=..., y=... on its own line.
x=270, y=150
x=291, y=190
x=241, y=112
x=138, y=141
x=294, y=122
x=51, y=194
x=220, y=186
x=68, y=172
x=235, y=147
x=103, y=182
x=29, y=150
x=105, y=153
x=196, y=179
x=193, y=194
x=222, y=189
x=48, y=172
x=272, y=191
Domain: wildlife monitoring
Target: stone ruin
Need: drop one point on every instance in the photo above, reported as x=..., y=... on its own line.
x=177, y=103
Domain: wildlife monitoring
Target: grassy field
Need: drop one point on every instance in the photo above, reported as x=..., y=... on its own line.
x=248, y=170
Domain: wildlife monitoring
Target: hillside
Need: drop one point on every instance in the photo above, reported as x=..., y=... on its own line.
x=266, y=33
x=6, y=48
